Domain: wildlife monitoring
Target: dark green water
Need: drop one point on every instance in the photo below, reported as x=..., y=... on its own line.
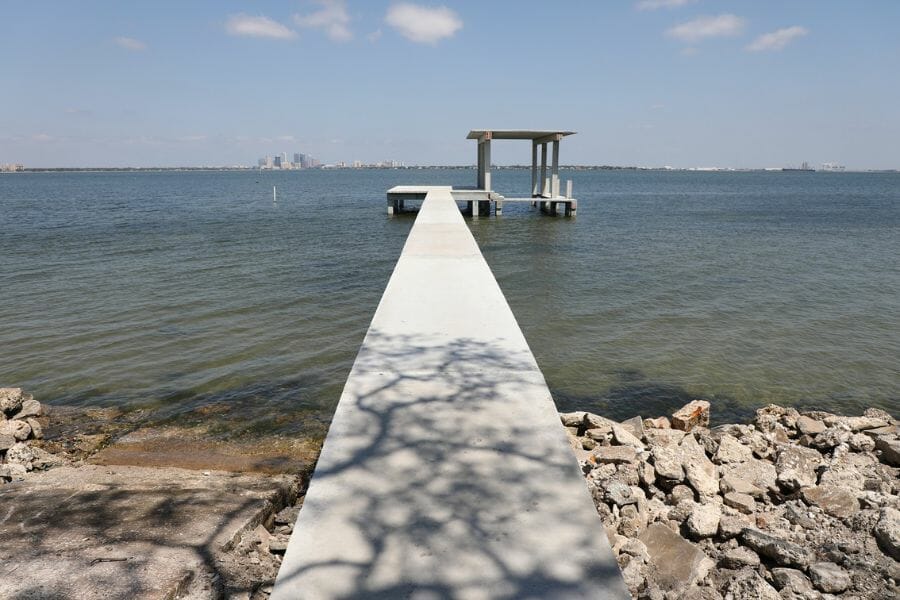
x=171, y=291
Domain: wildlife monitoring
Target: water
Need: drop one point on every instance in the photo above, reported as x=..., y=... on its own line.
x=174, y=291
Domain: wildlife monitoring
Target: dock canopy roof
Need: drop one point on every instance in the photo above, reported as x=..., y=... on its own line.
x=517, y=134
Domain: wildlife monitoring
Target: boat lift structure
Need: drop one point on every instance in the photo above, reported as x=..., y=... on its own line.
x=545, y=186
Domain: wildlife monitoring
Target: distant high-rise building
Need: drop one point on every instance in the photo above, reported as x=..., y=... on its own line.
x=261, y=162
x=277, y=162
x=297, y=156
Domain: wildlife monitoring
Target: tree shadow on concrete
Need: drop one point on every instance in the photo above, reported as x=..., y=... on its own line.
x=446, y=474
x=104, y=539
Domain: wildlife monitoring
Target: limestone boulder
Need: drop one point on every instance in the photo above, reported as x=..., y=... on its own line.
x=699, y=471
x=778, y=550
x=796, y=467
x=703, y=521
x=887, y=532
x=11, y=400
x=829, y=578
x=677, y=563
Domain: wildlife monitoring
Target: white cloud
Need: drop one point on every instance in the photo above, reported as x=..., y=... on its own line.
x=81, y=112
x=42, y=137
x=776, y=40
x=707, y=27
x=130, y=43
x=249, y=26
x=654, y=4
x=192, y=138
x=374, y=36
x=423, y=24
x=332, y=18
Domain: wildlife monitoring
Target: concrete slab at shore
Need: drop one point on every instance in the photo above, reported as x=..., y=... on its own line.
x=446, y=472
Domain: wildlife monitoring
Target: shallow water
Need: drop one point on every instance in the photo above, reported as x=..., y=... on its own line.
x=172, y=291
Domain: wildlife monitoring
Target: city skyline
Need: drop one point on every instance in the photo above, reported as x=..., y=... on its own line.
x=686, y=83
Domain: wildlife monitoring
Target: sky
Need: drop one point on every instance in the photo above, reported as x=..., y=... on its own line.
x=683, y=83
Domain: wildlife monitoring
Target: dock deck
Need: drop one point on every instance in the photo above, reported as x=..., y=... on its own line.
x=446, y=472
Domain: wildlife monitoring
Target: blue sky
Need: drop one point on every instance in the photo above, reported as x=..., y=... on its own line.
x=750, y=83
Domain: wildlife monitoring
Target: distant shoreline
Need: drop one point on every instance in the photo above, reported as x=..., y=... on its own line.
x=416, y=168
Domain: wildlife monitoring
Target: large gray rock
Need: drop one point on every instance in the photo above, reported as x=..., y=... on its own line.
x=30, y=408
x=890, y=450
x=836, y=501
x=808, y=426
x=11, y=400
x=624, y=438
x=760, y=473
x=6, y=440
x=742, y=502
x=792, y=580
x=741, y=486
x=829, y=578
x=740, y=557
x=634, y=426
x=677, y=562
x=732, y=451
x=703, y=521
x=780, y=551
x=620, y=493
x=700, y=472
x=614, y=454
x=748, y=584
x=666, y=453
x=693, y=414
x=796, y=467
x=856, y=423
x=20, y=430
x=887, y=532
x=20, y=454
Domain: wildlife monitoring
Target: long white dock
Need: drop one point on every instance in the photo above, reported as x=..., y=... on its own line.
x=446, y=473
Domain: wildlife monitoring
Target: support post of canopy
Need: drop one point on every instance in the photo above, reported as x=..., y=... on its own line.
x=554, y=186
x=534, y=187
x=544, y=182
x=486, y=177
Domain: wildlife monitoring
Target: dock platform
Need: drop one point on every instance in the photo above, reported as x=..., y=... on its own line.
x=446, y=473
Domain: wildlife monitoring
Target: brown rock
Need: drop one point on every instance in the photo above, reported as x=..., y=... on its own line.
x=37, y=431
x=678, y=563
x=835, y=501
x=748, y=584
x=693, y=414
x=19, y=430
x=887, y=532
x=730, y=451
x=634, y=426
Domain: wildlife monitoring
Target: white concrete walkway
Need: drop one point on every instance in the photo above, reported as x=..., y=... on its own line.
x=446, y=472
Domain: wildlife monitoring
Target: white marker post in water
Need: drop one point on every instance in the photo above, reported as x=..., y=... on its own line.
x=274, y=195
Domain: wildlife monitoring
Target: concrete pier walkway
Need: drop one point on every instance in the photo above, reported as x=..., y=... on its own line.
x=446, y=473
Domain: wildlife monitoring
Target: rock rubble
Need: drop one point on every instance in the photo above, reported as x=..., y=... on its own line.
x=21, y=419
x=791, y=506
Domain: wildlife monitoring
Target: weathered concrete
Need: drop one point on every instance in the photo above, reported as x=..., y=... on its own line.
x=446, y=472
x=97, y=532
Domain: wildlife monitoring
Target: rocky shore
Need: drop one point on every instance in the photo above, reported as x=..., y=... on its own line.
x=791, y=506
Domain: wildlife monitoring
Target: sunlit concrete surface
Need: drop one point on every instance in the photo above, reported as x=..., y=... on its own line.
x=446, y=472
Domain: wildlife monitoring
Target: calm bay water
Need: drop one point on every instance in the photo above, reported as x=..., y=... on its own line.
x=174, y=291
